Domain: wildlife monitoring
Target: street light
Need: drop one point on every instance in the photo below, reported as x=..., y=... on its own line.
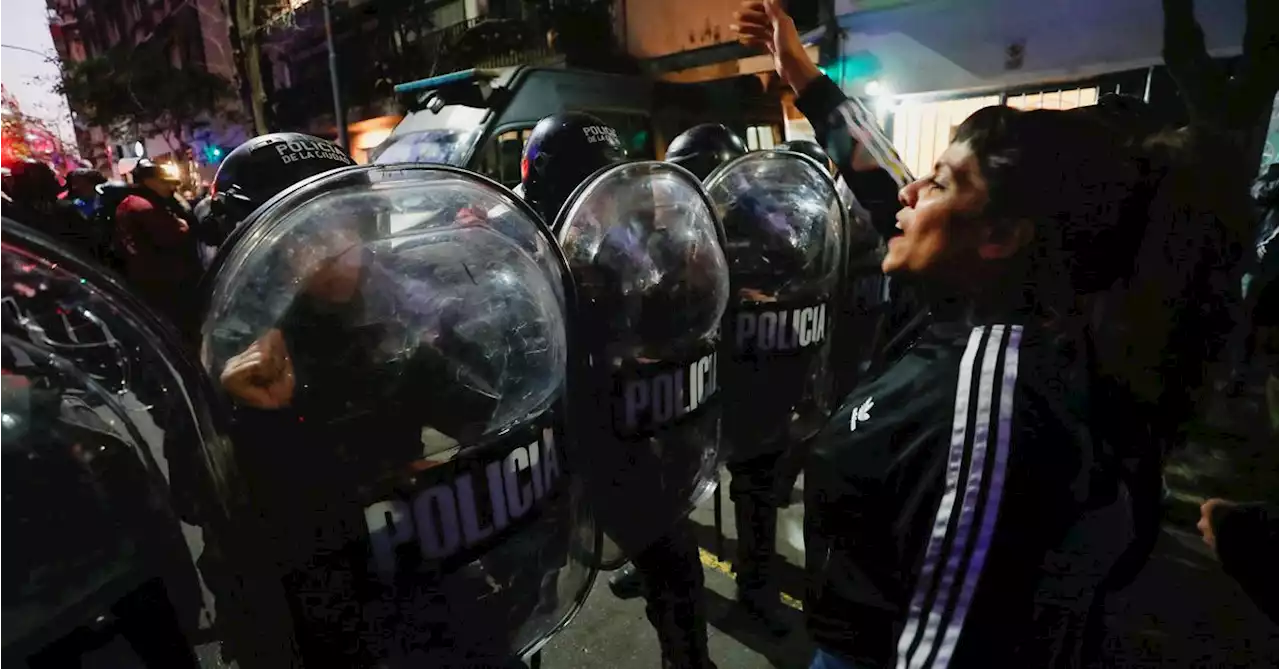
x=339, y=110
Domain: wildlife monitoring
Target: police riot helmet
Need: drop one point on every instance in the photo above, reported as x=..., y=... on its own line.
x=703, y=148
x=807, y=147
x=265, y=165
x=563, y=150
x=103, y=414
x=395, y=399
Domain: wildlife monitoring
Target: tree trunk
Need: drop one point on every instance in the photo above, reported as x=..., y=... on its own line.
x=1238, y=109
x=247, y=29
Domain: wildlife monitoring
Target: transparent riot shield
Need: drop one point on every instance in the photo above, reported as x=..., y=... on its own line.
x=645, y=249
x=391, y=346
x=783, y=223
x=101, y=411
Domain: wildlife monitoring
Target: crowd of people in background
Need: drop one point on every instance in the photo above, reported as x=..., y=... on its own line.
x=144, y=230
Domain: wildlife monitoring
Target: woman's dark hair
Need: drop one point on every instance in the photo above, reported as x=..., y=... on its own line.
x=1132, y=239
x=1134, y=249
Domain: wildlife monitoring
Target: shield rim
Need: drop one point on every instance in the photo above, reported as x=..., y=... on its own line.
x=252, y=226
x=209, y=418
x=777, y=152
x=184, y=367
x=562, y=218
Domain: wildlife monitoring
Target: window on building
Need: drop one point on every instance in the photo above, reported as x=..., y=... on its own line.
x=762, y=137
x=501, y=158
x=922, y=131
x=506, y=9
x=1068, y=99
x=449, y=14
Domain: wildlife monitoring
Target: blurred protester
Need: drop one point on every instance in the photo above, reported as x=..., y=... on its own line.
x=81, y=188
x=35, y=189
x=155, y=234
x=1243, y=536
x=82, y=191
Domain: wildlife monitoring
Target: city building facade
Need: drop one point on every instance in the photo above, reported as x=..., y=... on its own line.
x=378, y=44
x=193, y=34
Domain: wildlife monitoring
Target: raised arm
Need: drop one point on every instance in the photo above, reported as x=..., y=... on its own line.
x=864, y=155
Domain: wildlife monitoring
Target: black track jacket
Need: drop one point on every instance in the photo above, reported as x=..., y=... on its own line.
x=966, y=511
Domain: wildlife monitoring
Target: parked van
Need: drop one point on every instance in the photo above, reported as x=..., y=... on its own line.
x=480, y=119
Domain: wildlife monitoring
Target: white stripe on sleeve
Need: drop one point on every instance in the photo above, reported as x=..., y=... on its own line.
x=991, y=510
x=935, y=617
x=864, y=129
x=933, y=551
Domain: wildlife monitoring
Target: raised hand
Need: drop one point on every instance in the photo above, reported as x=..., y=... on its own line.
x=261, y=376
x=767, y=26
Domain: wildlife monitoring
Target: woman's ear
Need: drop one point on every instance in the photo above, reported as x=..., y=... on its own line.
x=1004, y=240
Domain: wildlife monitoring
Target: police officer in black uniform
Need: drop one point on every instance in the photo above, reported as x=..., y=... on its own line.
x=703, y=149
x=784, y=230
x=700, y=149
x=563, y=151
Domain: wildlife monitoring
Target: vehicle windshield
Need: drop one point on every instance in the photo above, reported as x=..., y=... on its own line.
x=428, y=146
x=433, y=137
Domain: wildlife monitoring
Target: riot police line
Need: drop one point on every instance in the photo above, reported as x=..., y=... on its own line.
x=424, y=411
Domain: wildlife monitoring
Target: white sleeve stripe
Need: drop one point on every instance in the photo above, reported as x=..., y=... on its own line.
x=959, y=424
x=862, y=125
x=932, y=645
x=963, y=536
x=991, y=510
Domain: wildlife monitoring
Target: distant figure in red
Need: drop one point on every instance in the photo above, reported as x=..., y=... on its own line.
x=156, y=234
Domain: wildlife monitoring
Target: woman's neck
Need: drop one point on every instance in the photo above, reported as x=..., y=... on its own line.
x=980, y=304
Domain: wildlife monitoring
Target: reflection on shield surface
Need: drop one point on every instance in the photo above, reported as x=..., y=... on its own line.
x=101, y=496
x=784, y=225
x=644, y=247
x=391, y=345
